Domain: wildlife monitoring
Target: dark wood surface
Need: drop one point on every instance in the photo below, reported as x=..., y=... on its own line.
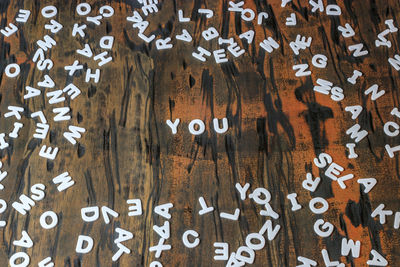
x=277, y=126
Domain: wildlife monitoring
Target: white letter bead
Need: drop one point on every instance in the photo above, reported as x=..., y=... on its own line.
x=83, y=9
x=221, y=254
x=186, y=241
x=22, y=263
x=12, y=70
x=46, y=263
x=106, y=11
x=321, y=225
x=54, y=220
x=201, y=127
x=322, y=202
x=155, y=264
x=49, y=11
x=220, y=56
x=163, y=210
x=162, y=44
x=255, y=236
x=210, y=34
x=107, y=42
x=135, y=209
x=95, y=76
x=200, y=55
x=82, y=239
x=90, y=214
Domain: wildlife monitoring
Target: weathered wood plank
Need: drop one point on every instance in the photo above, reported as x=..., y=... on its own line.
x=278, y=124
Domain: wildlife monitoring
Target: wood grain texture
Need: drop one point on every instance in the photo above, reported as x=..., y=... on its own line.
x=278, y=124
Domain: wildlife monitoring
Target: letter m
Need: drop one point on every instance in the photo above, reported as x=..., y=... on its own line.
x=64, y=180
x=75, y=132
x=47, y=43
x=356, y=133
x=25, y=205
x=323, y=87
x=269, y=44
x=350, y=245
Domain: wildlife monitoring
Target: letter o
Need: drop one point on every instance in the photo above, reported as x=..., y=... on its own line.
x=155, y=264
x=201, y=125
x=388, y=132
x=49, y=11
x=3, y=205
x=19, y=255
x=250, y=12
x=83, y=9
x=316, y=200
x=257, y=193
x=16, y=71
x=54, y=220
x=106, y=14
x=253, y=246
x=333, y=10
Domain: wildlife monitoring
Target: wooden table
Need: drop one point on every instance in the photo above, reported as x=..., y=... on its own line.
x=278, y=124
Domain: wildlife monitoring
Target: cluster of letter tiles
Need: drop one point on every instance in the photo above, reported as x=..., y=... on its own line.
x=243, y=255
x=42, y=63
x=254, y=241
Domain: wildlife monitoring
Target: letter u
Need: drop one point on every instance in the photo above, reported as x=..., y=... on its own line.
x=224, y=125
